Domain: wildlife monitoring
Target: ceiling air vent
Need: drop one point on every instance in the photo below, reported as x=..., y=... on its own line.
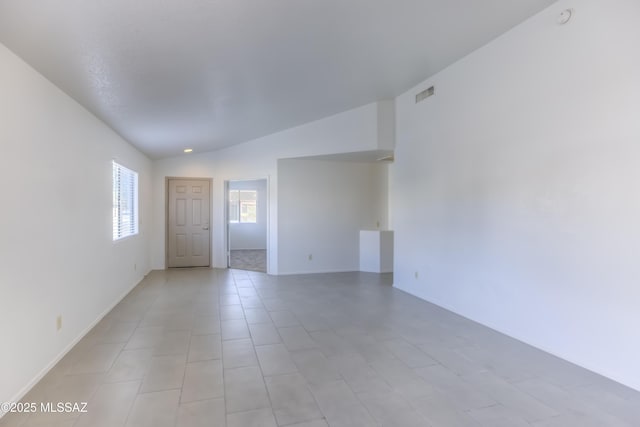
x=425, y=94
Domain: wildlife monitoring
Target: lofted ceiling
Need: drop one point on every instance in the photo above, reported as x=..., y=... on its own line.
x=171, y=74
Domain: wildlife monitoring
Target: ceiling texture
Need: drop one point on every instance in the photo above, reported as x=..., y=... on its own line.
x=206, y=74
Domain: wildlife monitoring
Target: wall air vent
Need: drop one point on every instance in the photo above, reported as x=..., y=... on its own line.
x=425, y=94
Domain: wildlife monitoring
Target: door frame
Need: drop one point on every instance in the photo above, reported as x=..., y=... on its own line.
x=166, y=216
x=225, y=209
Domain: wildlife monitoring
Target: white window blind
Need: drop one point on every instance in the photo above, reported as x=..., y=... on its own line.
x=125, y=202
x=243, y=206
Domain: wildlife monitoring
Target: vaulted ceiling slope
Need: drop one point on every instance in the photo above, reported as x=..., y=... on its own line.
x=169, y=74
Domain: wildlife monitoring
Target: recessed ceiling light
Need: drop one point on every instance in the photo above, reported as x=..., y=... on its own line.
x=188, y=150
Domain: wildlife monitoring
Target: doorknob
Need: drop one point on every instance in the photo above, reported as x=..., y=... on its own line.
x=206, y=227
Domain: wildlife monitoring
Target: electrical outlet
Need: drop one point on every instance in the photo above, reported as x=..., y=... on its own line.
x=135, y=267
x=59, y=322
x=310, y=257
x=416, y=274
x=377, y=224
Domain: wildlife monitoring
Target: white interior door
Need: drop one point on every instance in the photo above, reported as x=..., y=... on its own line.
x=189, y=223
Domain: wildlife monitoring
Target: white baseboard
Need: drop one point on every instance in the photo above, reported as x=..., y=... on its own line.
x=68, y=348
x=248, y=249
x=516, y=336
x=292, y=273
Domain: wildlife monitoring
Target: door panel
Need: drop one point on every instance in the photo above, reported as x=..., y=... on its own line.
x=197, y=212
x=181, y=212
x=189, y=219
x=197, y=245
x=181, y=246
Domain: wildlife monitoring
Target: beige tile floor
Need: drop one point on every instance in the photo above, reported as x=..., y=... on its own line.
x=226, y=347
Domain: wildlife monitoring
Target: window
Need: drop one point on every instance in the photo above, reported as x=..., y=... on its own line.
x=242, y=206
x=125, y=202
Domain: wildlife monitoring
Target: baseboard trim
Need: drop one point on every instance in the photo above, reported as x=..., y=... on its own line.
x=73, y=343
x=515, y=336
x=296, y=273
x=249, y=249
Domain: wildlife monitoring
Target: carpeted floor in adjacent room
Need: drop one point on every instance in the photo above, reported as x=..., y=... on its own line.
x=249, y=259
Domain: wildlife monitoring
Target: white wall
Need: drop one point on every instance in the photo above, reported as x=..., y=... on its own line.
x=515, y=188
x=56, y=247
x=322, y=207
x=352, y=131
x=248, y=235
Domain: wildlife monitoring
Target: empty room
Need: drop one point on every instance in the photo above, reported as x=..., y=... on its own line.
x=320, y=213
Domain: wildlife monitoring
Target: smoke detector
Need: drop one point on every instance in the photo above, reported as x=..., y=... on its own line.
x=565, y=16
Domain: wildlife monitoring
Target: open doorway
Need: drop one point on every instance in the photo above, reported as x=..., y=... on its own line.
x=247, y=224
